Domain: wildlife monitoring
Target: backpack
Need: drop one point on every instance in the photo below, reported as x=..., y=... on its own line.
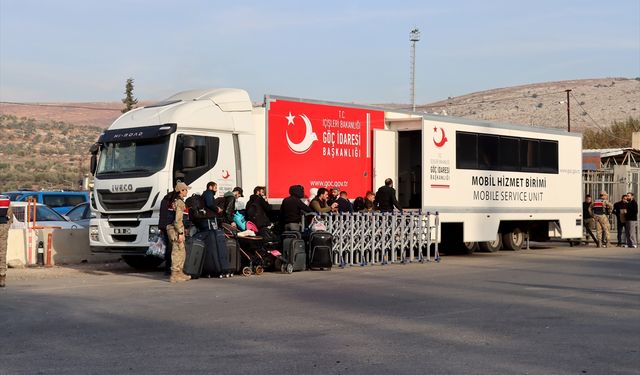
x=167, y=214
x=197, y=208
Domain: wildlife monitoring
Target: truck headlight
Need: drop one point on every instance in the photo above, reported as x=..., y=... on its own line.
x=94, y=234
x=154, y=232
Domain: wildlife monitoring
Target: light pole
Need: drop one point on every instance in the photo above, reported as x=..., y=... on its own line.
x=414, y=36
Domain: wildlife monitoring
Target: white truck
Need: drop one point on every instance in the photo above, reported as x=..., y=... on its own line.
x=491, y=183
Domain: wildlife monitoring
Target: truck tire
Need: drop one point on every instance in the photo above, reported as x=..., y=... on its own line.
x=513, y=240
x=491, y=246
x=469, y=247
x=142, y=262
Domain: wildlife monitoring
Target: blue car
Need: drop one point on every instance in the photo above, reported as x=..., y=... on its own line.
x=59, y=201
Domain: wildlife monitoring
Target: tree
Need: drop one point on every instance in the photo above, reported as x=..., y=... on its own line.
x=129, y=101
x=617, y=135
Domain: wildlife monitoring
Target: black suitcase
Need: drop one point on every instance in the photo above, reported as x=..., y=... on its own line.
x=216, y=259
x=194, y=260
x=294, y=253
x=320, y=250
x=235, y=264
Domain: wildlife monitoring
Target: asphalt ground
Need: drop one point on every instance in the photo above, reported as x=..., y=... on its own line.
x=542, y=311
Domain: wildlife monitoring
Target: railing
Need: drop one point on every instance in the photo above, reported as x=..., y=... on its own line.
x=381, y=238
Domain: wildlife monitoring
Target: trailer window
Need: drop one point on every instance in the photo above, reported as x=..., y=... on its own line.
x=502, y=153
x=509, y=154
x=549, y=156
x=529, y=155
x=466, y=150
x=488, y=146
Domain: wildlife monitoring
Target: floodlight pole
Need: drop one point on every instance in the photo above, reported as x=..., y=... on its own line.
x=414, y=36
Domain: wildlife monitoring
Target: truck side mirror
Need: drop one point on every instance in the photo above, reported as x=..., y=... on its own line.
x=188, y=152
x=94, y=164
x=94, y=157
x=188, y=158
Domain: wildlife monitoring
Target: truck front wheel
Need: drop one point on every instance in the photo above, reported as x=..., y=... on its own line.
x=513, y=240
x=491, y=246
x=142, y=262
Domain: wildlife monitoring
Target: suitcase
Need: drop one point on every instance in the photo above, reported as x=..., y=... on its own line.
x=291, y=234
x=216, y=258
x=320, y=250
x=294, y=252
x=194, y=261
x=235, y=264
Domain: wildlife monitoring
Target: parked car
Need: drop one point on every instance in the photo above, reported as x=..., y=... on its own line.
x=60, y=201
x=80, y=214
x=45, y=217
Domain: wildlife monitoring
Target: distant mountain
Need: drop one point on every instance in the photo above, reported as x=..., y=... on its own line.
x=592, y=101
x=601, y=100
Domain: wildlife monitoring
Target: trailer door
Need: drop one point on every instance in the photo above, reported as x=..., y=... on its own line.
x=385, y=152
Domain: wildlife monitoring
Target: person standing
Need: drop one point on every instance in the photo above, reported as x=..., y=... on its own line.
x=588, y=218
x=386, y=197
x=176, y=234
x=292, y=209
x=258, y=208
x=319, y=203
x=631, y=220
x=6, y=218
x=620, y=211
x=601, y=209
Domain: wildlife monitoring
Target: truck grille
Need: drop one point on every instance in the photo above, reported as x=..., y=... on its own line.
x=124, y=201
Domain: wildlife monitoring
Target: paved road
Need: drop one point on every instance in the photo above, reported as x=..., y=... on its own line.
x=542, y=311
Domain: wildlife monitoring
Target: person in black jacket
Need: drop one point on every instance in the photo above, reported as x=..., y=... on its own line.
x=631, y=220
x=257, y=209
x=588, y=219
x=386, y=197
x=620, y=211
x=292, y=208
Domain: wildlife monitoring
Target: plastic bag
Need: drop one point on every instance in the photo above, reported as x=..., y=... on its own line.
x=157, y=248
x=240, y=221
x=317, y=224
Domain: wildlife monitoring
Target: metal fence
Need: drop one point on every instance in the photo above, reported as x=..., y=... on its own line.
x=381, y=238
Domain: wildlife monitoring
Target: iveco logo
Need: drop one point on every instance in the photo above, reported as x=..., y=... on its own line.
x=122, y=188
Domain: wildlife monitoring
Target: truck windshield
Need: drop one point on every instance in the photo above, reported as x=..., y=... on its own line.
x=139, y=157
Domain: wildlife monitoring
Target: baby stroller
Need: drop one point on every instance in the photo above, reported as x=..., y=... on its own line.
x=258, y=252
x=248, y=248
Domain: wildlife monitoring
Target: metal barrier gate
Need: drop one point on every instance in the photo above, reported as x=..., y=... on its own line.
x=381, y=238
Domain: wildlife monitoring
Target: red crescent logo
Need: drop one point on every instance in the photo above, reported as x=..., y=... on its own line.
x=225, y=174
x=443, y=137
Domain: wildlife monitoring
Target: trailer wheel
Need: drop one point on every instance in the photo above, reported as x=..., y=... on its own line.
x=469, y=247
x=491, y=246
x=513, y=240
x=142, y=262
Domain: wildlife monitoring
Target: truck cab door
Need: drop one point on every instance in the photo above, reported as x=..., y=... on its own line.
x=199, y=159
x=385, y=154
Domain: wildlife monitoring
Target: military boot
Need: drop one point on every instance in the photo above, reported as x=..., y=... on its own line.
x=178, y=277
x=2, y=280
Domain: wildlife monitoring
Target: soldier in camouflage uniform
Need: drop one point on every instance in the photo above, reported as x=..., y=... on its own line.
x=6, y=218
x=601, y=209
x=177, y=236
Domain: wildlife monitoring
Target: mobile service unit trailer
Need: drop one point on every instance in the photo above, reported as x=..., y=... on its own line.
x=487, y=181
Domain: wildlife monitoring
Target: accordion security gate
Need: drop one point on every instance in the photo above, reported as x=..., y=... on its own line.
x=381, y=238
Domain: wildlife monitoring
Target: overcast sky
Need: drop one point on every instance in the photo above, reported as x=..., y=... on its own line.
x=353, y=51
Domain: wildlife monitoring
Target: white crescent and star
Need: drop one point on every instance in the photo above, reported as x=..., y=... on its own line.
x=309, y=136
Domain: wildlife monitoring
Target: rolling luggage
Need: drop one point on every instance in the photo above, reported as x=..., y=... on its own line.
x=194, y=261
x=320, y=250
x=216, y=258
x=294, y=252
x=235, y=264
